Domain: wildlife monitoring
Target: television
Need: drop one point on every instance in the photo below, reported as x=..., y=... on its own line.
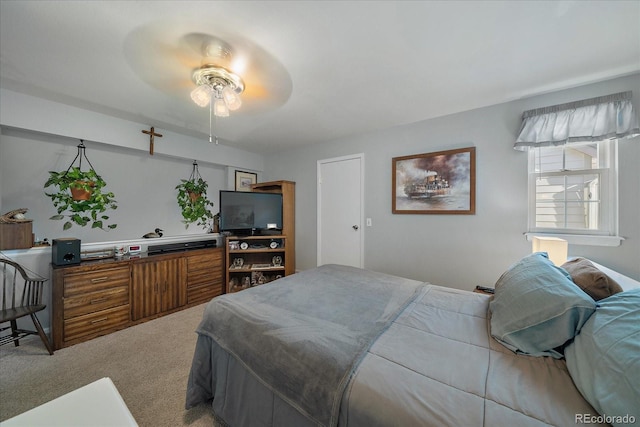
x=248, y=213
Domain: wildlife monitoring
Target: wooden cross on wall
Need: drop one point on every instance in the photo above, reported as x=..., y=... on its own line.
x=151, y=134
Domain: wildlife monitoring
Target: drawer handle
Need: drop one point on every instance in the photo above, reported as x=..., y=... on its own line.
x=97, y=300
x=99, y=279
x=104, y=319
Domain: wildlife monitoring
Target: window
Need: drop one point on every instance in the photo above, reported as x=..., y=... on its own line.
x=573, y=189
x=573, y=167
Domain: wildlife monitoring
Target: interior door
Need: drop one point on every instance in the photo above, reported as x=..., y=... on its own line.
x=340, y=211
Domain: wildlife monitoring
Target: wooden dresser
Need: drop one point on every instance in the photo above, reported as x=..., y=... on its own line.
x=96, y=298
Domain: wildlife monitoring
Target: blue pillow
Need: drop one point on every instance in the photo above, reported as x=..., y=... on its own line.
x=536, y=307
x=604, y=358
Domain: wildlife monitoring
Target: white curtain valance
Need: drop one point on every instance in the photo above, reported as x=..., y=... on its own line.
x=596, y=119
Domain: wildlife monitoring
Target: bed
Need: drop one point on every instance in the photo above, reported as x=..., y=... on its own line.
x=341, y=346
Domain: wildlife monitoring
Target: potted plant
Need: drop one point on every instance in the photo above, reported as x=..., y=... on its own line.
x=79, y=194
x=193, y=201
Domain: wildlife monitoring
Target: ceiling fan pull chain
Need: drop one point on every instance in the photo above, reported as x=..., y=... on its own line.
x=211, y=122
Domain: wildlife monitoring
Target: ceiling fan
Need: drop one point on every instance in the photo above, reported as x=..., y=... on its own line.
x=218, y=83
x=225, y=66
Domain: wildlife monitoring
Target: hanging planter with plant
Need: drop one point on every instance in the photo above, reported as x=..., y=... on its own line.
x=192, y=199
x=80, y=195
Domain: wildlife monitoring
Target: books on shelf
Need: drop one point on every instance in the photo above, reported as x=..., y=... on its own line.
x=259, y=266
x=254, y=267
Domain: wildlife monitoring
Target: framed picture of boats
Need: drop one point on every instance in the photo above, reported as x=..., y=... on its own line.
x=443, y=182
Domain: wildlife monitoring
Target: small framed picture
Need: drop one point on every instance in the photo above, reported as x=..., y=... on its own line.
x=244, y=180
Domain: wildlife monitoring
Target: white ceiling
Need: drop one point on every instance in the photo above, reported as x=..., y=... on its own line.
x=329, y=69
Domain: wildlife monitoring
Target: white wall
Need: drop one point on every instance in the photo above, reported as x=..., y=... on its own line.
x=39, y=136
x=144, y=186
x=458, y=250
x=20, y=111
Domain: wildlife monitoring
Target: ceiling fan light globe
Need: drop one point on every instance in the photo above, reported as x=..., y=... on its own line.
x=220, y=108
x=231, y=98
x=201, y=95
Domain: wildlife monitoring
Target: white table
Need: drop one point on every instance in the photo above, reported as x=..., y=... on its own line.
x=96, y=404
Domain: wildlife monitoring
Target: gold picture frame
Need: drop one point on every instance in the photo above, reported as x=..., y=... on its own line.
x=442, y=182
x=244, y=180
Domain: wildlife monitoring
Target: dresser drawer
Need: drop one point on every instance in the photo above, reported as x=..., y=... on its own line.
x=203, y=293
x=93, y=281
x=92, y=323
x=211, y=275
x=203, y=262
x=204, y=277
x=92, y=302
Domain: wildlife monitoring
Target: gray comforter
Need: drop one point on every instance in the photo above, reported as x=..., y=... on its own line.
x=435, y=365
x=303, y=336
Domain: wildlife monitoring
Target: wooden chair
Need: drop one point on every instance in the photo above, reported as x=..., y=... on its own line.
x=28, y=305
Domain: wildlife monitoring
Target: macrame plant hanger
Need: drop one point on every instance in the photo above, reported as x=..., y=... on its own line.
x=195, y=177
x=195, y=173
x=79, y=156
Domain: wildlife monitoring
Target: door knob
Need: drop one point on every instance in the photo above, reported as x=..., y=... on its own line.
x=355, y=227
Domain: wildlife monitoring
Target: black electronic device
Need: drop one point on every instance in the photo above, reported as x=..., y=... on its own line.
x=65, y=251
x=250, y=213
x=182, y=246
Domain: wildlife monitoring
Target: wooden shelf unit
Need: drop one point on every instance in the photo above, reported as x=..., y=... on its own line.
x=99, y=297
x=288, y=191
x=257, y=266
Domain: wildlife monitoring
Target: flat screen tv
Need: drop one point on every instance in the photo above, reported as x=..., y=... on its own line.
x=246, y=213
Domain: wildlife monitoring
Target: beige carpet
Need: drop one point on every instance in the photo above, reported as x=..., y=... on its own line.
x=148, y=363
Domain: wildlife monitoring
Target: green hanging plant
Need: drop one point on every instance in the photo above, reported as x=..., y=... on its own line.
x=80, y=196
x=193, y=201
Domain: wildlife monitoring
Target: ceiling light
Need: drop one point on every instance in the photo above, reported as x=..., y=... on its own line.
x=201, y=95
x=217, y=84
x=231, y=98
x=220, y=108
